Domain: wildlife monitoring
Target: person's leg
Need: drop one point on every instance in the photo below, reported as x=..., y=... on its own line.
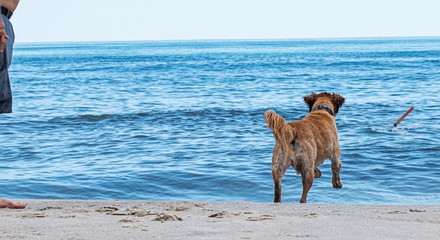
x=5, y=91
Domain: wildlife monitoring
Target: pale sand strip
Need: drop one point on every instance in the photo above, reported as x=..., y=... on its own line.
x=108, y=219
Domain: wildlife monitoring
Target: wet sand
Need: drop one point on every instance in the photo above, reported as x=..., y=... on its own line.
x=127, y=219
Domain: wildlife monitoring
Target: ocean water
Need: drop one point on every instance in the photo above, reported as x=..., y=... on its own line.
x=183, y=120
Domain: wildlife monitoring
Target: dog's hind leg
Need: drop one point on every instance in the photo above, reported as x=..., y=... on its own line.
x=277, y=186
x=308, y=175
x=336, y=168
x=279, y=168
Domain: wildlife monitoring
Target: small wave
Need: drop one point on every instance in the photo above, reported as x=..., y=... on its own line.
x=394, y=130
x=80, y=118
x=399, y=131
x=379, y=130
x=91, y=117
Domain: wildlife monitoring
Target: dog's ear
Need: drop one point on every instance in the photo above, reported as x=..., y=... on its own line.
x=310, y=100
x=337, y=101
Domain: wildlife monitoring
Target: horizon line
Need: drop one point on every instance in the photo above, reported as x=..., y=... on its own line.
x=233, y=39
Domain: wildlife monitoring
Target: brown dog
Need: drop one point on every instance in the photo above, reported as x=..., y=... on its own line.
x=305, y=144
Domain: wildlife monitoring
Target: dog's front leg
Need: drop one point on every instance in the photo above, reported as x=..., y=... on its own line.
x=336, y=168
x=317, y=173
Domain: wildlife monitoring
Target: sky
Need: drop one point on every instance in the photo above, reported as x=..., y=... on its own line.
x=137, y=20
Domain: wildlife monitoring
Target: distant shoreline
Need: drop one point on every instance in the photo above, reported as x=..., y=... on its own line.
x=139, y=219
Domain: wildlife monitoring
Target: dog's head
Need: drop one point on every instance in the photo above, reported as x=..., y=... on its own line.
x=321, y=98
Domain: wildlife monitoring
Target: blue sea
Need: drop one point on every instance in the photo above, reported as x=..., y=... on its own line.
x=183, y=120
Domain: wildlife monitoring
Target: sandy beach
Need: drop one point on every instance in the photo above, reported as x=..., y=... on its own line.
x=126, y=219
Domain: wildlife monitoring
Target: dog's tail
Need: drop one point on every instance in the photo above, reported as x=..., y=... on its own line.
x=283, y=133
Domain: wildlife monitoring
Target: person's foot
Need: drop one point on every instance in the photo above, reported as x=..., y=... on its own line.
x=10, y=204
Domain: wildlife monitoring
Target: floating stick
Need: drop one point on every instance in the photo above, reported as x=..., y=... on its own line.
x=403, y=116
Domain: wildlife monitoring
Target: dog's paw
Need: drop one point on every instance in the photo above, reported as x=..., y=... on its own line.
x=317, y=173
x=337, y=184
